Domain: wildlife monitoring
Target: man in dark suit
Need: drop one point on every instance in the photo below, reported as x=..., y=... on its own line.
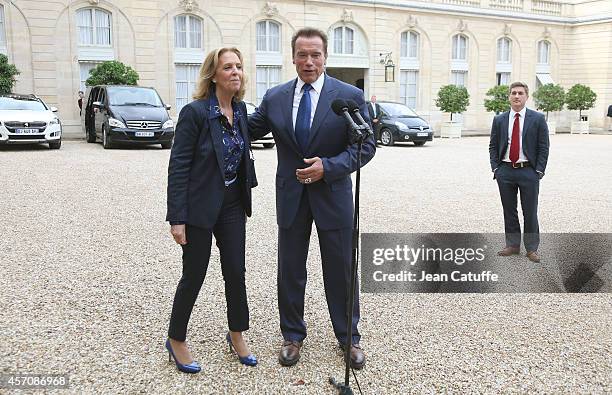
x=315, y=160
x=518, y=152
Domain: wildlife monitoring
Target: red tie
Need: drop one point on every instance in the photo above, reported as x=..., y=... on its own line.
x=514, y=143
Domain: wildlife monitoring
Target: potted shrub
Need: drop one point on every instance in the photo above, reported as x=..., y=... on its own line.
x=550, y=97
x=580, y=97
x=112, y=72
x=8, y=72
x=498, y=99
x=452, y=99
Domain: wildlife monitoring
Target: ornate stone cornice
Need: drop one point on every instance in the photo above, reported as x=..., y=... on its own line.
x=189, y=5
x=270, y=9
x=347, y=16
x=411, y=21
x=462, y=25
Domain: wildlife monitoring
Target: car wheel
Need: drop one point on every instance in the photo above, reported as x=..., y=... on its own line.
x=167, y=145
x=106, y=141
x=419, y=143
x=386, y=137
x=268, y=145
x=55, y=144
x=90, y=135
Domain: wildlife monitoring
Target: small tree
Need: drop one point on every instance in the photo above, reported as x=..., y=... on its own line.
x=112, y=73
x=499, y=99
x=549, y=97
x=453, y=99
x=580, y=97
x=8, y=71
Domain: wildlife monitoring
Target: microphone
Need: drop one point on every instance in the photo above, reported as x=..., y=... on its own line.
x=354, y=108
x=341, y=107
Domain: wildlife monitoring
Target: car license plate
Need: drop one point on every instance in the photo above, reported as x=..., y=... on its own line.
x=26, y=131
x=422, y=134
x=145, y=134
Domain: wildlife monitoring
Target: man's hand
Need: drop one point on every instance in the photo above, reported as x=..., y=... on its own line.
x=312, y=173
x=178, y=233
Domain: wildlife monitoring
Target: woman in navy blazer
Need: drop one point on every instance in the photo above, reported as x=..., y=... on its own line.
x=210, y=176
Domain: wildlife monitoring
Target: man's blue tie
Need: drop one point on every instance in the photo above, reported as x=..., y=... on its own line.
x=302, y=122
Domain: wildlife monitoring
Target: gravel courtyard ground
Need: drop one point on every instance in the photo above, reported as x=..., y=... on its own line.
x=89, y=271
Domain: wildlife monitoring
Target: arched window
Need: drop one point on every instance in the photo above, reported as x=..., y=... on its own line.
x=460, y=43
x=268, y=36
x=187, y=32
x=543, y=52
x=504, y=50
x=94, y=27
x=409, y=45
x=344, y=40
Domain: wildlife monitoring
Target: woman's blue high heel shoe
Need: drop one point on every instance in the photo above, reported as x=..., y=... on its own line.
x=193, y=367
x=249, y=360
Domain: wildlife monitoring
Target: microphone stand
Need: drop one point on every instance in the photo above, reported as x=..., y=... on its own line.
x=359, y=135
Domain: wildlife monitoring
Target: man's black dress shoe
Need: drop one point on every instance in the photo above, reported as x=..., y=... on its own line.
x=289, y=353
x=358, y=358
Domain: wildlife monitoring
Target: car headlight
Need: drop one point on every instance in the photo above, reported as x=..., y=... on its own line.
x=115, y=123
x=54, y=121
x=168, y=124
x=401, y=126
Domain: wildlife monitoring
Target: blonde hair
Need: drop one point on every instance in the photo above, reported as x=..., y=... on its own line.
x=208, y=69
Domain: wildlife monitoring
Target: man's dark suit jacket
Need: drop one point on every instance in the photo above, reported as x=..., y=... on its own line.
x=196, y=176
x=535, y=140
x=331, y=199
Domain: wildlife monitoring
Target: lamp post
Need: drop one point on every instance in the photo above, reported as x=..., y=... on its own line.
x=385, y=59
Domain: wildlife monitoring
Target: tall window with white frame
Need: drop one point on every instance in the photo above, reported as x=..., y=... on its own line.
x=186, y=79
x=408, y=87
x=94, y=27
x=187, y=32
x=268, y=57
x=409, y=63
x=543, y=52
x=460, y=46
x=267, y=77
x=188, y=46
x=268, y=36
x=84, y=69
x=344, y=40
x=94, y=37
x=3, y=48
x=504, y=61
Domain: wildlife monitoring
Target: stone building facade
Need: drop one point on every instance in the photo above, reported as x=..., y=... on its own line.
x=476, y=43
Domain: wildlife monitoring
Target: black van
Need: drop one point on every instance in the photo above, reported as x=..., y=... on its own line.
x=126, y=114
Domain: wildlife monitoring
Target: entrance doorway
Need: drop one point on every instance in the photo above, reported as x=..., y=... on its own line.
x=351, y=76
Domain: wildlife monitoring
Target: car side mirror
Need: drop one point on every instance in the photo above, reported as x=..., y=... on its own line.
x=97, y=104
x=53, y=109
x=168, y=107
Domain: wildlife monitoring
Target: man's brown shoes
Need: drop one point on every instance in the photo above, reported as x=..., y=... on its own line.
x=507, y=251
x=289, y=353
x=533, y=256
x=357, y=356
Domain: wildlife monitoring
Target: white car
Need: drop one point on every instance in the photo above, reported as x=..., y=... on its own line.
x=26, y=119
x=267, y=140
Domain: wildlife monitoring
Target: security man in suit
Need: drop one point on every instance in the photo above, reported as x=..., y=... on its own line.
x=315, y=160
x=518, y=152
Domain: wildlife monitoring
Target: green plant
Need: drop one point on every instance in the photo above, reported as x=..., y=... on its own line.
x=499, y=99
x=580, y=97
x=112, y=73
x=8, y=71
x=453, y=99
x=549, y=97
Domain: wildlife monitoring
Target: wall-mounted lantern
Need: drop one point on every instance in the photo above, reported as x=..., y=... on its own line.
x=385, y=59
